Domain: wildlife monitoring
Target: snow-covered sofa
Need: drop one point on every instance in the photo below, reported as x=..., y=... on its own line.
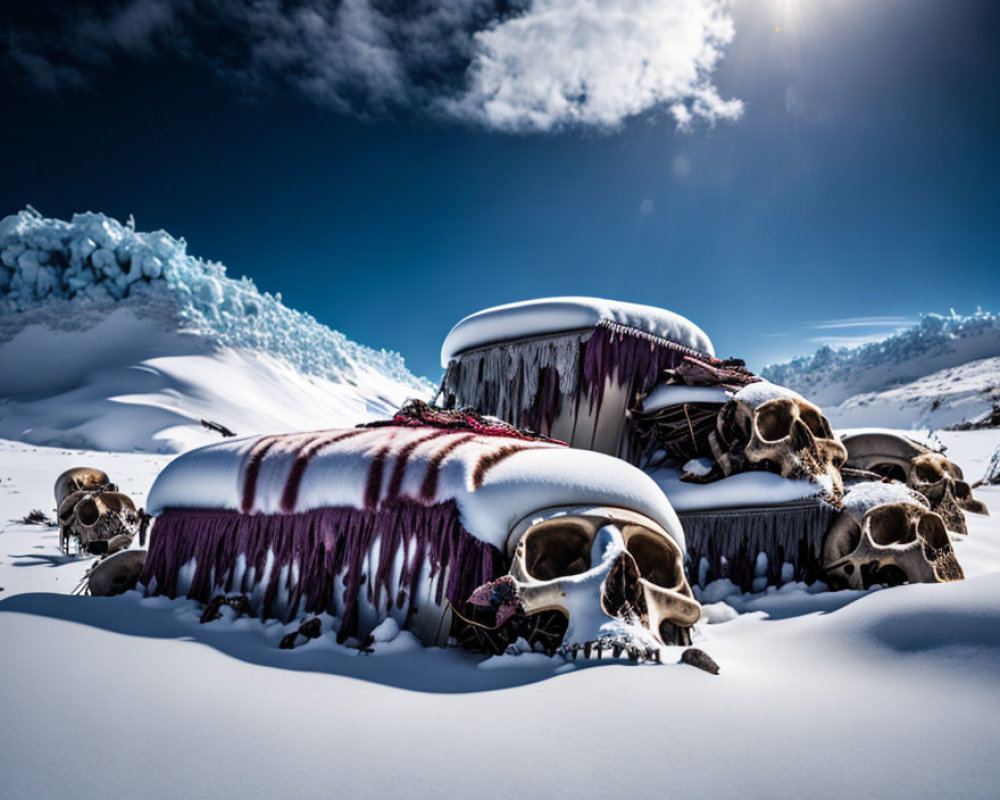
x=567, y=367
x=401, y=520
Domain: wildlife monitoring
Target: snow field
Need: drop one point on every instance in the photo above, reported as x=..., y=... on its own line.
x=879, y=694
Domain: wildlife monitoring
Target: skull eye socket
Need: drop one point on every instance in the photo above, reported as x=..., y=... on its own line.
x=932, y=530
x=87, y=512
x=773, y=422
x=893, y=472
x=656, y=561
x=928, y=473
x=890, y=525
x=556, y=549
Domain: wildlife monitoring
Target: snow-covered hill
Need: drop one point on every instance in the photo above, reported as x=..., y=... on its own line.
x=943, y=371
x=119, y=340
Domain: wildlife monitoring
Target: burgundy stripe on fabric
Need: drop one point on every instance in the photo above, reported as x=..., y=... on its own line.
x=490, y=460
x=290, y=496
x=428, y=489
x=403, y=459
x=256, y=458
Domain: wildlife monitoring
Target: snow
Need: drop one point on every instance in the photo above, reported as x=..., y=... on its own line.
x=755, y=394
x=115, y=354
x=218, y=708
x=946, y=397
x=743, y=490
x=541, y=477
x=561, y=314
x=879, y=374
x=867, y=495
x=673, y=394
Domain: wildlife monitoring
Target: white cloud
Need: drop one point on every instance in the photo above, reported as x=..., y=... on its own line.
x=864, y=322
x=598, y=62
x=539, y=65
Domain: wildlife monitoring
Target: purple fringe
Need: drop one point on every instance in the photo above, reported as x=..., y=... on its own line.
x=629, y=357
x=325, y=543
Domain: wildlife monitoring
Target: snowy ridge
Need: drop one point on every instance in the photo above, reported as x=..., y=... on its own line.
x=100, y=264
x=943, y=371
x=830, y=375
x=118, y=340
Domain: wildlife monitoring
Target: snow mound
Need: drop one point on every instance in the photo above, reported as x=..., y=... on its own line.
x=119, y=340
x=831, y=376
x=760, y=392
x=561, y=314
x=867, y=495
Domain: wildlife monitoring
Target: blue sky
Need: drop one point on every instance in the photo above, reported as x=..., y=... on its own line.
x=783, y=172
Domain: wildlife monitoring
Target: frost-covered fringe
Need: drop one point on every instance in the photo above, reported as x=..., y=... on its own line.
x=729, y=540
x=527, y=381
x=324, y=545
x=522, y=382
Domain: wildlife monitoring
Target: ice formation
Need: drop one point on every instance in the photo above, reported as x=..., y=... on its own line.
x=100, y=265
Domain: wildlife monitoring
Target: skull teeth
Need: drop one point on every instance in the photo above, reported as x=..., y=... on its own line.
x=610, y=649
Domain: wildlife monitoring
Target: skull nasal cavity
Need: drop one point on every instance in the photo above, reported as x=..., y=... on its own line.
x=87, y=512
x=555, y=551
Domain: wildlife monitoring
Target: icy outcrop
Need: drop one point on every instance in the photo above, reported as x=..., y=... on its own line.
x=830, y=376
x=992, y=474
x=111, y=339
x=99, y=265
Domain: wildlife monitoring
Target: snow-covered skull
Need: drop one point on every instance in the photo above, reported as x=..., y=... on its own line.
x=886, y=534
x=765, y=426
x=614, y=578
x=101, y=522
x=936, y=478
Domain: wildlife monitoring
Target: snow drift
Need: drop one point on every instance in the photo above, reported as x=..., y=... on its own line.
x=116, y=339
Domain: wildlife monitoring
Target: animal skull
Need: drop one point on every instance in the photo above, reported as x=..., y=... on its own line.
x=615, y=577
x=767, y=427
x=80, y=479
x=886, y=534
x=116, y=574
x=101, y=522
x=939, y=480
